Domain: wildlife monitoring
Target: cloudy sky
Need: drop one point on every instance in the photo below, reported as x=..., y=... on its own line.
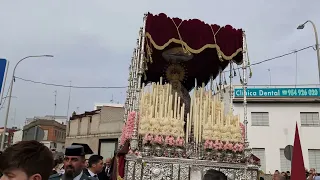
x=92, y=43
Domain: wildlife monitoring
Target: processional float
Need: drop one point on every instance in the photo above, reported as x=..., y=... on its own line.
x=177, y=123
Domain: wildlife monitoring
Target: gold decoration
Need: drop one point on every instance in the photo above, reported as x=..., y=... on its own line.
x=194, y=51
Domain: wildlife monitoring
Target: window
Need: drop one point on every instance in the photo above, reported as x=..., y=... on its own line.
x=285, y=164
x=309, y=119
x=45, y=136
x=314, y=158
x=261, y=154
x=260, y=119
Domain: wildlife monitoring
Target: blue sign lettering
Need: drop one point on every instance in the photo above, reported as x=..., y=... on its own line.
x=278, y=92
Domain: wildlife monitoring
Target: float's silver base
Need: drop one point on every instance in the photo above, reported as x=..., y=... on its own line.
x=160, y=168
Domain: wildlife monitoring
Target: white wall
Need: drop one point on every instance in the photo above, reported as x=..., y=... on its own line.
x=281, y=129
x=17, y=136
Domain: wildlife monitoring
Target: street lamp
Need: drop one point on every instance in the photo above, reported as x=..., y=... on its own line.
x=10, y=96
x=317, y=41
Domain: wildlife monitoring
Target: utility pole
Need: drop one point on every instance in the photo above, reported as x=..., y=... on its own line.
x=55, y=104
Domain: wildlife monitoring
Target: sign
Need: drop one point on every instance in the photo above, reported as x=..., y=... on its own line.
x=278, y=92
x=3, y=68
x=288, y=152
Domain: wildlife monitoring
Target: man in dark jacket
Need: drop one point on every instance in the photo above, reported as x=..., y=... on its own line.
x=95, y=166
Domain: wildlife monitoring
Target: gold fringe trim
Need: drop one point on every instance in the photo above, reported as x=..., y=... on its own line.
x=194, y=51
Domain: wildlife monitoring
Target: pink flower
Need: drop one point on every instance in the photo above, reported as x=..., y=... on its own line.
x=158, y=139
x=169, y=140
x=179, y=141
x=238, y=147
x=208, y=144
x=218, y=145
x=127, y=130
x=148, y=138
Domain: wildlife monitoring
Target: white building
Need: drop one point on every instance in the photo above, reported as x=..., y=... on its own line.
x=17, y=136
x=100, y=129
x=272, y=116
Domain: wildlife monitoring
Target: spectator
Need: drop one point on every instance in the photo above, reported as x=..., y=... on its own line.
x=214, y=175
x=95, y=166
x=26, y=160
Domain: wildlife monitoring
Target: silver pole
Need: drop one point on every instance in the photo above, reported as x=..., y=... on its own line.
x=231, y=87
x=245, y=115
x=135, y=140
x=10, y=95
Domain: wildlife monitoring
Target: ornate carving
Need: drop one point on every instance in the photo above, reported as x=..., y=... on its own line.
x=161, y=168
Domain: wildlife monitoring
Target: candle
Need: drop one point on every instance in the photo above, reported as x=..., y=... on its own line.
x=175, y=105
x=170, y=105
x=187, y=129
x=178, y=109
x=182, y=112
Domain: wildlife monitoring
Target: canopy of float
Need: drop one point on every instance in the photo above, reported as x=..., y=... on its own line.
x=212, y=48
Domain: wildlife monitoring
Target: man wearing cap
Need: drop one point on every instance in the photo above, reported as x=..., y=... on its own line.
x=74, y=163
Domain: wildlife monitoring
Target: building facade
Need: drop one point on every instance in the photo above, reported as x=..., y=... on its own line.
x=8, y=141
x=53, y=133
x=100, y=129
x=272, y=116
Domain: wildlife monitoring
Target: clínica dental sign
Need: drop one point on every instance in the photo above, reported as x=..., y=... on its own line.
x=277, y=92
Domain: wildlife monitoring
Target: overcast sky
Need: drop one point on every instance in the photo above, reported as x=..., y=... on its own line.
x=92, y=43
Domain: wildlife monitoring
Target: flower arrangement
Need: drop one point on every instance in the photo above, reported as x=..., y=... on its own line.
x=147, y=139
x=127, y=129
x=218, y=145
x=238, y=148
x=158, y=140
x=169, y=141
x=179, y=142
x=228, y=147
x=208, y=145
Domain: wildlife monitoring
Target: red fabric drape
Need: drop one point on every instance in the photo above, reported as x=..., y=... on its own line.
x=194, y=32
x=199, y=40
x=297, y=168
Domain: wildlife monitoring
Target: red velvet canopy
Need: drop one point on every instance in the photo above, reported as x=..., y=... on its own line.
x=204, y=41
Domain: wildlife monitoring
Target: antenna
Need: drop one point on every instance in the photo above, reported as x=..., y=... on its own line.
x=55, y=104
x=111, y=98
x=69, y=101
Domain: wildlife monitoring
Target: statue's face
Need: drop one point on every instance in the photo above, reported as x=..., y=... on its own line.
x=176, y=85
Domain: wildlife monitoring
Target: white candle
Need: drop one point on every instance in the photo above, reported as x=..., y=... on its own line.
x=187, y=129
x=175, y=105
x=178, y=109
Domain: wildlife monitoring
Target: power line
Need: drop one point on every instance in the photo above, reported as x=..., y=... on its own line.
x=122, y=87
x=68, y=86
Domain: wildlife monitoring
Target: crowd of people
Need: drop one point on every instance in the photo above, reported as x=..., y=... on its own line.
x=31, y=160
x=310, y=175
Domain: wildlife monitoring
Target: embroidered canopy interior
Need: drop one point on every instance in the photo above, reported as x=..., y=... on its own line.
x=212, y=47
